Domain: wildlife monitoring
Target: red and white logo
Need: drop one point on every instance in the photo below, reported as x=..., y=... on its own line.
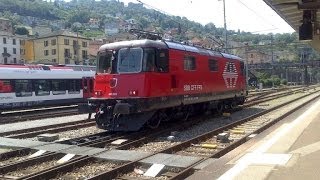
x=230, y=75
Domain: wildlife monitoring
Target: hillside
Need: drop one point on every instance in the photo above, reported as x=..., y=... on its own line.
x=76, y=13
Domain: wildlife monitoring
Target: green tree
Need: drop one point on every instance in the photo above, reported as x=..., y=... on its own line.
x=79, y=16
x=21, y=31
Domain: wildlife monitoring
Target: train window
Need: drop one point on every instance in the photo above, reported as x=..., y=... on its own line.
x=149, y=60
x=213, y=65
x=47, y=68
x=162, y=60
x=104, y=62
x=42, y=87
x=23, y=88
x=6, y=86
x=74, y=86
x=129, y=60
x=58, y=87
x=189, y=63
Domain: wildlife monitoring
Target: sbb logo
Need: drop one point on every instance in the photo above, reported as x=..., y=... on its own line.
x=230, y=75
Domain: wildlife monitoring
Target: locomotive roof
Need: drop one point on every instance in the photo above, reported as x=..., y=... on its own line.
x=165, y=45
x=134, y=43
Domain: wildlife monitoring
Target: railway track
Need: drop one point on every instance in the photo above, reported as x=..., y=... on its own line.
x=32, y=114
x=81, y=127
x=240, y=136
x=55, y=128
x=241, y=131
x=264, y=92
x=278, y=92
x=272, y=96
x=125, y=170
x=76, y=126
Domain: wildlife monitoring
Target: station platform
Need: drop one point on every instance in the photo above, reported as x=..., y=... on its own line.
x=288, y=150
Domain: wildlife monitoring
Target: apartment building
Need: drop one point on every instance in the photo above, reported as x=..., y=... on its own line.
x=26, y=50
x=61, y=47
x=9, y=48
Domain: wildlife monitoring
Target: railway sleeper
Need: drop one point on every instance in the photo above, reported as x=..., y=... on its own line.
x=28, y=162
x=77, y=165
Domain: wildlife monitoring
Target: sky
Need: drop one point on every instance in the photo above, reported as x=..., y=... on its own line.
x=247, y=15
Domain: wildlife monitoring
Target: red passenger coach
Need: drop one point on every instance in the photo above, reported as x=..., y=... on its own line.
x=144, y=82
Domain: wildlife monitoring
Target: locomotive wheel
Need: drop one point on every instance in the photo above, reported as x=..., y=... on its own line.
x=220, y=108
x=188, y=111
x=154, y=122
x=233, y=105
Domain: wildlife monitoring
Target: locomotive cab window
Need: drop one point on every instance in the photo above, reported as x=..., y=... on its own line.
x=213, y=65
x=104, y=62
x=42, y=87
x=23, y=88
x=130, y=60
x=149, y=60
x=162, y=60
x=189, y=63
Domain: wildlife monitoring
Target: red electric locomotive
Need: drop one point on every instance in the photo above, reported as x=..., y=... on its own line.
x=144, y=82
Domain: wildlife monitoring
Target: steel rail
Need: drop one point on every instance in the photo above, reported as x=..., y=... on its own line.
x=130, y=166
x=7, y=133
x=190, y=170
x=38, y=114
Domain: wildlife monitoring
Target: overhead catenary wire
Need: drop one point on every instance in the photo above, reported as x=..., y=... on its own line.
x=259, y=15
x=159, y=10
x=273, y=44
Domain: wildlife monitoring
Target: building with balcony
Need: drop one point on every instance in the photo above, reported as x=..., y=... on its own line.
x=61, y=47
x=9, y=48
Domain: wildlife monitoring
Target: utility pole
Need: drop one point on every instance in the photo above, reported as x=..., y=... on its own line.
x=272, y=59
x=225, y=26
x=302, y=61
x=247, y=66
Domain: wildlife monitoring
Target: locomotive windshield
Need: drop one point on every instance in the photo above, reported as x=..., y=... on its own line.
x=104, y=62
x=130, y=60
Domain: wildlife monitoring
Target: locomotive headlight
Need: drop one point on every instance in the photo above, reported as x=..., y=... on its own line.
x=133, y=93
x=98, y=93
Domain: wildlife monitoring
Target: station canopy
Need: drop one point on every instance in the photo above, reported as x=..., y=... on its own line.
x=302, y=16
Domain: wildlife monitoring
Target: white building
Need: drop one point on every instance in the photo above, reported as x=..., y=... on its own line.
x=9, y=48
